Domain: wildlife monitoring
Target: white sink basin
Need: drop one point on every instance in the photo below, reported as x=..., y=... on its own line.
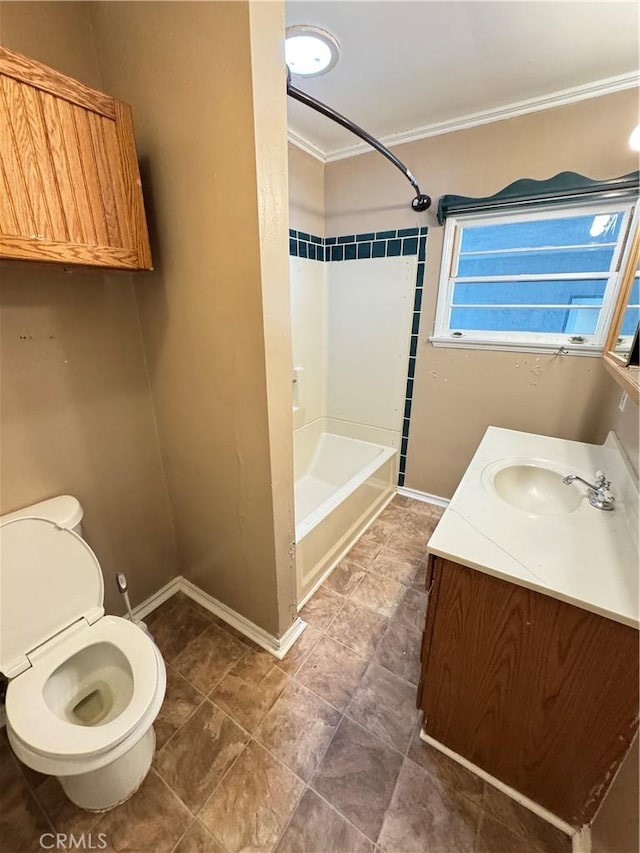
x=532, y=485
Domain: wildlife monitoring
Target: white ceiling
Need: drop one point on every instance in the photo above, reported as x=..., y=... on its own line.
x=405, y=66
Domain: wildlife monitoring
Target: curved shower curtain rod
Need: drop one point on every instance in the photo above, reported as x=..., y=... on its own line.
x=421, y=201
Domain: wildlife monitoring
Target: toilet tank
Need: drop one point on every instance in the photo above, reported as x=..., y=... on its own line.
x=65, y=511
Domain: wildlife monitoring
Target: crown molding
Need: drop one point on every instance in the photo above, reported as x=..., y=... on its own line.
x=307, y=146
x=531, y=105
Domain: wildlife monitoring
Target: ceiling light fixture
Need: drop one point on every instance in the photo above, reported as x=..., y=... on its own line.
x=310, y=51
x=634, y=139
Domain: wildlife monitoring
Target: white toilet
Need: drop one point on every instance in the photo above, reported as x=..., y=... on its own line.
x=84, y=688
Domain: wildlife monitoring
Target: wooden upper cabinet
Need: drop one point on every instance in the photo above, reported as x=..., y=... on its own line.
x=70, y=188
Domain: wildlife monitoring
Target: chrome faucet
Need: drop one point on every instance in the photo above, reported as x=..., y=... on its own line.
x=599, y=492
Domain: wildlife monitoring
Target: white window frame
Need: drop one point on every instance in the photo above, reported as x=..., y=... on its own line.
x=592, y=345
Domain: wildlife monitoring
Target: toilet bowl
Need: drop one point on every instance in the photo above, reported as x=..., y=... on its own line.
x=84, y=688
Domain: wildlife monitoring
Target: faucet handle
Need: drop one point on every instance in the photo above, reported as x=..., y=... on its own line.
x=601, y=480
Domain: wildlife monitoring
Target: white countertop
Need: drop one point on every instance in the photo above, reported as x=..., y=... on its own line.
x=587, y=557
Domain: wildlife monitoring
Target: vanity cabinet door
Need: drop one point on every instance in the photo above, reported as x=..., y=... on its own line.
x=539, y=693
x=70, y=187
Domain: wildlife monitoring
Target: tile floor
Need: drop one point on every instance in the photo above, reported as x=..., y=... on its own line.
x=318, y=752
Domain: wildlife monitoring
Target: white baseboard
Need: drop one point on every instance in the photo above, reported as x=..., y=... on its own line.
x=145, y=607
x=278, y=647
x=581, y=840
x=425, y=497
x=534, y=807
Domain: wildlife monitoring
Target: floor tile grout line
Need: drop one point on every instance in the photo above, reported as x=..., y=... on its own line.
x=450, y=787
x=252, y=739
x=169, y=787
x=386, y=743
x=291, y=676
x=179, y=841
x=337, y=811
x=513, y=828
x=266, y=713
x=32, y=794
x=344, y=817
x=175, y=594
x=313, y=693
x=318, y=696
x=233, y=763
x=370, y=660
x=183, y=724
x=207, y=695
x=343, y=716
x=194, y=815
x=228, y=716
x=303, y=661
x=480, y=806
x=354, y=651
x=280, y=836
x=212, y=621
x=184, y=678
x=308, y=783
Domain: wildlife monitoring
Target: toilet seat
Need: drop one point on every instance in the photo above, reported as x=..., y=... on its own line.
x=42, y=731
x=84, y=688
x=50, y=579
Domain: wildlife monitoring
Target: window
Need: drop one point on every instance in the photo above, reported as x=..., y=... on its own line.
x=540, y=279
x=630, y=318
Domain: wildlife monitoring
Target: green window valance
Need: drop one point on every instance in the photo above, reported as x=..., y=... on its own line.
x=565, y=186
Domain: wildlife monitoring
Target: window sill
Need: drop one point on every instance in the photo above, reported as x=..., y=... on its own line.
x=512, y=346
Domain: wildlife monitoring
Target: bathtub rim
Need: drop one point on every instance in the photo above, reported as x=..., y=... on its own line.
x=311, y=521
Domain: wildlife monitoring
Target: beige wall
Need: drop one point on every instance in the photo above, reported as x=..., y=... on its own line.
x=306, y=192
x=76, y=410
x=615, y=827
x=208, y=310
x=626, y=425
x=458, y=393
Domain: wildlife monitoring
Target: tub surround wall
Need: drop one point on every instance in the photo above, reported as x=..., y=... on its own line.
x=308, y=339
x=369, y=341
x=215, y=314
x=355, y=332
x=457, y=392
x=77, y=414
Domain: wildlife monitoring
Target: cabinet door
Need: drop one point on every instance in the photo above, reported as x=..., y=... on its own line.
x=539, y=693
x=70, y=187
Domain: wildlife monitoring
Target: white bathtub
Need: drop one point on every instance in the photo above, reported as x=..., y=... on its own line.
x=340, y=485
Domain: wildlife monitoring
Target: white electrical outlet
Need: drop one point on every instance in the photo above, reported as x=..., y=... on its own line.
x=623, y=401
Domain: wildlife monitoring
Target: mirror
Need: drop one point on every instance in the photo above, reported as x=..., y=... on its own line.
x=622, y=336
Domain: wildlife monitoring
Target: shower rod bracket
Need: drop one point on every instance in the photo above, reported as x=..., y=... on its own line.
x=422, y=201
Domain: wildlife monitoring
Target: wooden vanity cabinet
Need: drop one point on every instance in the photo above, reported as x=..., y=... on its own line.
x=539, y=693
x=70, y=188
